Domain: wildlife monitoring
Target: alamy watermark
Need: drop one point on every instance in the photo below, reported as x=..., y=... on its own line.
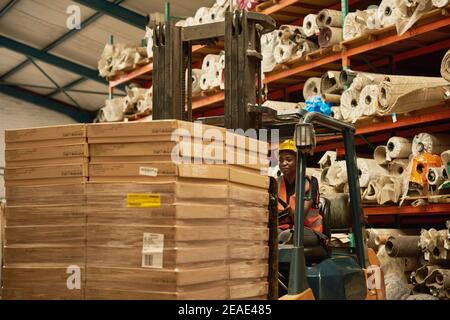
x=74, y=20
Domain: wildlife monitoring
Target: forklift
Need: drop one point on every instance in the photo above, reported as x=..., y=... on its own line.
x=328, y=275
x=315, y=269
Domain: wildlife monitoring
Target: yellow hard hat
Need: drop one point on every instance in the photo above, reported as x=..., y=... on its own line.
x=287, y=145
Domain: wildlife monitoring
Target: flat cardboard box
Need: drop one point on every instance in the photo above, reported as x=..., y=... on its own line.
x=45, y=136
x=144, y=279
x=60, y=194
x=249, y=177
x=249, y=270
x=126, y=236
x=17, y=216
x=247, y=290
x=46, y=172
x=216, y=291
x=251, y=214
x=169, y=214
x=41, y=153
x=250, y=251
x=46, y=235
x=32, y=254
x=180, y=257
x=45, y=182
x=40, y=294
x=47, y=278
x=240, y=194
x=151, y=170
x=46, y=162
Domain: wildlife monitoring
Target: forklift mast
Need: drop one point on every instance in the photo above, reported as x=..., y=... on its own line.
x=172, y=60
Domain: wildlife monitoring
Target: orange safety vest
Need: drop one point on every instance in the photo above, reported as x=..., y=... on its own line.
x=313, y=219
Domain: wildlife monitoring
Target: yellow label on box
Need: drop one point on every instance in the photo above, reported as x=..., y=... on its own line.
x=146, y=200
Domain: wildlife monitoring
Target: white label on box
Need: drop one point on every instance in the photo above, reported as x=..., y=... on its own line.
x=152, y=250
x=147, y=171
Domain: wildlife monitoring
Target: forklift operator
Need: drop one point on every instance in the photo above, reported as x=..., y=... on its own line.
x=286, y=192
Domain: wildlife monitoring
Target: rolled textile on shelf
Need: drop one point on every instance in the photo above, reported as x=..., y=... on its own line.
x=347, y=77
x=305, y=47
x=337, y=174
x=397, y=167
x=403, y=93
x=380, y=155
x=399, y=147
x=190, y=22
x=181, y=23
x=323, y=177
x=368, y=169
x=284, y=52
x=368, y=99
x=196, y=80
x=445, y=66
x=423, y=273
x=329, y=18
x=445, y=156
x=327, y=159
x=268, y=43
x=388, y=12
x=310, y=27
x=355, y=23
x=209, y=62
x=435, y=176
x=333, y=98
x=431, y=143
x=349, y=105
x=222, y=60
x=217, y=13
x=410, y=12
x=440, y=3
x=324, y=189
x=202, y=16
x=330, y=82
x=336, y=113
x=287, y=33
x=205, y=80
x=149, y=38
x=217, y=75
x=403, y=246
x=311, y=87
x=329, y=36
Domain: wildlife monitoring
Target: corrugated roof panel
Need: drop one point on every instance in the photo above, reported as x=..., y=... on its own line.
x=177, y=7
x=87, y=45
x=9, y=60
x=38, y=22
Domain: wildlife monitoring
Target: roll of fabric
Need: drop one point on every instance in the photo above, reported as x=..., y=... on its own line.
x=217, y=13
x=329, y=36
x=288, y=33
x=332, y=98
x=330, y=83
x=327, y=159
x=284, y=52
x=440, y=3
x=349, y=105
x=202, y=16
x=268, y=43
x=196, y=80
x=406, y=93
x=397, y=167
x=410, y=11
x=329, y=18
x=336, y=113
x=355, y=23
x=368, y=169
x=383, y=189
x=445, y=66
x=347, y=76
x=399, y=147
x=435, y=176
x=310, y=27
x=380, y=155
x=205, y=80
x=445, y=156
x=209, y=62
x=149, y=38
x=311, y=88
x=306, y=47
x=431, y=143
x=368, y=99
x=190, y=22
x=388, y=12
x=324, y=189
x=337, y=174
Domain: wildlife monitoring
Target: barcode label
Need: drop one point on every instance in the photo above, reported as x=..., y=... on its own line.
x=152, y=250
x=152, y=260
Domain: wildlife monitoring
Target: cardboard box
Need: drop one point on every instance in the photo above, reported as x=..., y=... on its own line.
x=40, y=294
x=62, y=194
x=17, y=216
x=249, y=177
x=46, y=136
x=35, y=254
x=162, y=280
x=46, y=172
x=44, y=156
x=46, y=235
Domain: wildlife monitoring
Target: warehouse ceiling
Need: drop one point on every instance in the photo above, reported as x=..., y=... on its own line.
x=46, y=63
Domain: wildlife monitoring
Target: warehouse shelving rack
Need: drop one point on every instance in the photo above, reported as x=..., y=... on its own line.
x=430, y=34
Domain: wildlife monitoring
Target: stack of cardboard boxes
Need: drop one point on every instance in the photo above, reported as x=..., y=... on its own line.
x=159, y=218
x=45, y=175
